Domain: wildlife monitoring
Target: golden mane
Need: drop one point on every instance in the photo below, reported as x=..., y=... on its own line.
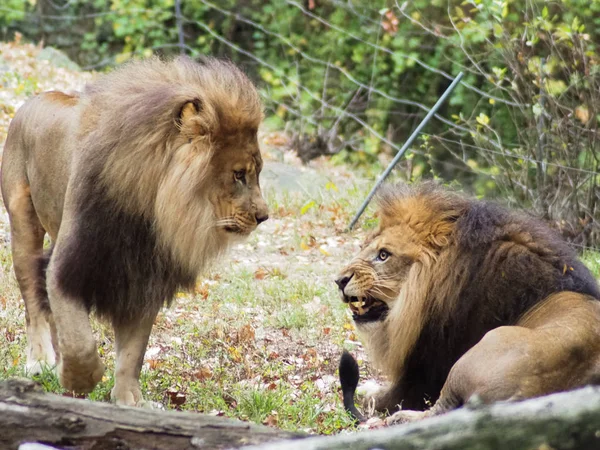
x=428, y=212
x=132, y=116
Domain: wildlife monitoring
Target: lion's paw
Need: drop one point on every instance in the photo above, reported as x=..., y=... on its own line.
x=130, y=394
x=369, y=388
x=405, y=417
x=40, y=354
x=80, y=374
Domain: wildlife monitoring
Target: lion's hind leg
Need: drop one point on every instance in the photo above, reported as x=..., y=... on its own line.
x=27, y=240
x=553, y=348
x=492, y=370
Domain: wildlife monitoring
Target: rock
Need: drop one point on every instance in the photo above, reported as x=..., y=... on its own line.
x=57, y=58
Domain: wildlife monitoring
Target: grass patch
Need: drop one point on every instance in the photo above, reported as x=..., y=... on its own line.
x=291, y=318
x=592, y=260
x=259, y=339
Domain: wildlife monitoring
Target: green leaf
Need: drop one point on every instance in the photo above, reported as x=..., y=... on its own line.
x=555, y=87
x=307, y=206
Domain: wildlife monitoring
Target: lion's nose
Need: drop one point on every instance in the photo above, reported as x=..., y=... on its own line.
x=260, y=219
x=343, y=282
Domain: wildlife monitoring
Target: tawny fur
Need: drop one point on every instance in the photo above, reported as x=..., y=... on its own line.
x=140, y=181
x=459, y=268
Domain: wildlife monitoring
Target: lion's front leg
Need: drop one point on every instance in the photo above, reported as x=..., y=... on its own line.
x=131, y=342
x=79, y=367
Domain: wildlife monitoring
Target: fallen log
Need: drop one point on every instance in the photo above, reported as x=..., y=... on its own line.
x=569, y=420
x=565, y=421
x=29, y=415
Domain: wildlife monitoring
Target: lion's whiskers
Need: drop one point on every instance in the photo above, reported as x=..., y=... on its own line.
x=377, y=290
x=225, y=222
x=386, y=277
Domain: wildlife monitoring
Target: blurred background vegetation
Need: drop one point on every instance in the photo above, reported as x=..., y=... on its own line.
x=352, y=79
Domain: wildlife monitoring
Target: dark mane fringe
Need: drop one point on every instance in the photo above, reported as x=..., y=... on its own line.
x=123, y=281
x=41, y=291
x=486, y=223
x=496, y=266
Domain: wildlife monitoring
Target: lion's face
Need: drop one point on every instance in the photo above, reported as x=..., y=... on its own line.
x=211, y=196
x=236, y=197
x=372, y=282
x=415, y=226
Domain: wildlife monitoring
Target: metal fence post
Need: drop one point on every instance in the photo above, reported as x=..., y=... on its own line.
x=407, y=144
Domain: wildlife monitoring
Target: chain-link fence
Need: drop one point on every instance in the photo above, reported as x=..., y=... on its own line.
x=352, y=79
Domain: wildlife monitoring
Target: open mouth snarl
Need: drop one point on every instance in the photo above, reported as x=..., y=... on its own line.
x=366, y=309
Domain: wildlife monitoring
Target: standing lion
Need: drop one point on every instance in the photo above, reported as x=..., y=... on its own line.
x=140, y=181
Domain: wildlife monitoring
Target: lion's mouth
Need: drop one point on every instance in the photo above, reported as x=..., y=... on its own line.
x=366, y=309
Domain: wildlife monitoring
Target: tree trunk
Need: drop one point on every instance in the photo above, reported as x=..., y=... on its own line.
x=565, y=421
x=27, y=414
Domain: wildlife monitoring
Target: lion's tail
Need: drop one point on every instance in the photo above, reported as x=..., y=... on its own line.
x=40, y=283
x=349, y=376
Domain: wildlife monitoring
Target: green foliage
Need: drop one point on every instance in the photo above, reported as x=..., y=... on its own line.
x=11, y=10
x=592, y=260
x=352, y=73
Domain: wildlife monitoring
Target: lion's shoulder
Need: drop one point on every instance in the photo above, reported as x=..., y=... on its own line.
x=519, y=243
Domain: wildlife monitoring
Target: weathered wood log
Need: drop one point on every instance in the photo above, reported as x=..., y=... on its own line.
x=27, y=414
x=569, y=421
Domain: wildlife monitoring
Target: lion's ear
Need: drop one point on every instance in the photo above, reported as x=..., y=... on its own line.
x=191, y=118
x=190, y=109
x=440, y=227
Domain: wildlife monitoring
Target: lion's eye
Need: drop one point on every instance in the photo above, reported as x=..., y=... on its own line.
x=383, y=255
x=240, y=175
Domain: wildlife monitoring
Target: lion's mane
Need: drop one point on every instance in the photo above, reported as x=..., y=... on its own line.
x=144, y=227
x=481, y=267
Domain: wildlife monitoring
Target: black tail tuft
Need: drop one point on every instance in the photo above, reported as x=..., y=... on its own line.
x=349, y=376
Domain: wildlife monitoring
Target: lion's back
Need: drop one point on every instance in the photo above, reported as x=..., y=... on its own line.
x=518, y=256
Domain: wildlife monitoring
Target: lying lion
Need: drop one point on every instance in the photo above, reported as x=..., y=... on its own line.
x=140, y=181
x=456, y=298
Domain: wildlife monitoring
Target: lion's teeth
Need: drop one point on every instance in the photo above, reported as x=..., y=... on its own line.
x=359, y=304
